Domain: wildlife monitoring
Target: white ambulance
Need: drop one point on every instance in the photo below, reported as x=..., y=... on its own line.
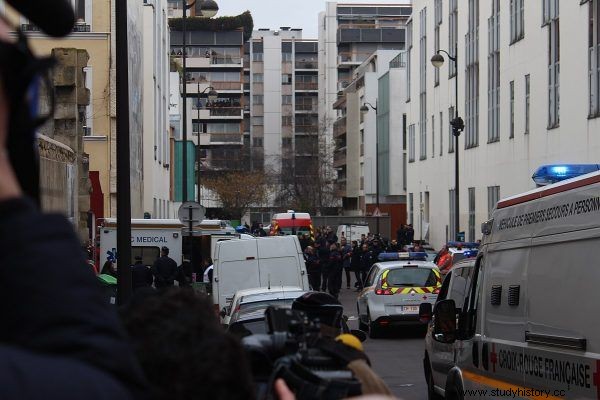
x=529, y=327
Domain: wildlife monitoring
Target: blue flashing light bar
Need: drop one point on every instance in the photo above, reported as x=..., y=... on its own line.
x=470, y=253
x=412, y=256
x=549, y=174
x=464, y=245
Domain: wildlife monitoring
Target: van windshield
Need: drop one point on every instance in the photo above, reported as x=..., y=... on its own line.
x=299, y=230
x=412, y=277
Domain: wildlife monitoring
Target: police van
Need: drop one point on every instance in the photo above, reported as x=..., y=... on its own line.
x=529, y=326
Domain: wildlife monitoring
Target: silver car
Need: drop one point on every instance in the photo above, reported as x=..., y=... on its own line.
x=393, y=292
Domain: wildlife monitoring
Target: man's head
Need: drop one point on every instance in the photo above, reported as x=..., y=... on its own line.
x=138, y=259
x=343, y=241
x=324, y=307
x=183, y=350
x=365, y=247
x=310, y=250
x=164, y=251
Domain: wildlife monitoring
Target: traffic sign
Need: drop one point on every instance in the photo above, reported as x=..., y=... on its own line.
x=376, y=213
x=191, y=211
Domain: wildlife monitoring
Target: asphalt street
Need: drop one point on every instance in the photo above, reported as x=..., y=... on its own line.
x=397, y=358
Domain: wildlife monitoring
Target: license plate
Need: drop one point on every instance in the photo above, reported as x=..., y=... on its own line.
x=408, y=309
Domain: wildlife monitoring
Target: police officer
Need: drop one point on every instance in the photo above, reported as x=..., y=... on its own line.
x=141, y=276
x=164, y=269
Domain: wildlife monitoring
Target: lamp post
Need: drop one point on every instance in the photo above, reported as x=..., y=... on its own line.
x=458, y=126
x=212, y=96
x=365, y=109
x=205, y=8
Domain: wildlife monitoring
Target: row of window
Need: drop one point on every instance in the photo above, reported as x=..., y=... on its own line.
x=493, y=196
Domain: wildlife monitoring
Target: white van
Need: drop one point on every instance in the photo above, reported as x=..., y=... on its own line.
x=352, y=232
x=258, y=262
x=529, y=323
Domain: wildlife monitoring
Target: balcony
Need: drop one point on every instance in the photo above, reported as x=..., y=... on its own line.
x=339, y=157
x=78, y=28
x=220, y=113
x=309, y=86
x=226, y=61
x=352, y=58
x=306, y=108
x=223, y=139
x=194, y=86
x=307, y=129
x=370, y=35
x=308, y=65
x=339, y=127
x=340, y=188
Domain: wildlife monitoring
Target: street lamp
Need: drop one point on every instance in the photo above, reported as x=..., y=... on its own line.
x=212, y=96
x=365, y=109
x=458, y=126
x=208, y=9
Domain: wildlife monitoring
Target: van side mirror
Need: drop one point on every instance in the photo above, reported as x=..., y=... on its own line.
x=444, y=324
x=425, y=312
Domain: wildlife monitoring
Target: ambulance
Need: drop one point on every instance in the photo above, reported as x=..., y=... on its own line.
x=292, y=223
x=529, y=325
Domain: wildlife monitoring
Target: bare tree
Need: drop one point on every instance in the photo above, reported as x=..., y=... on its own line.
x=238, y=191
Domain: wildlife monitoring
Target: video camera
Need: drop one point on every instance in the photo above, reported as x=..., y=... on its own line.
x=294, y=349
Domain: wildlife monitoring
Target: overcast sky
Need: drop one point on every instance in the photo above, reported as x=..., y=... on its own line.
x=293, y=13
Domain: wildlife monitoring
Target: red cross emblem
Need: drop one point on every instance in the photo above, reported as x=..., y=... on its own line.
x=597, y=379
x=493, y=357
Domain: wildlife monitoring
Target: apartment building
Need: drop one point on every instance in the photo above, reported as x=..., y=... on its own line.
x=348, y=35
x=369, y=149
x=282, y=92
x=528, y=92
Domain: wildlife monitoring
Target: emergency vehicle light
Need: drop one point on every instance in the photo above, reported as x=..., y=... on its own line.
x=413, y=255
x=549, y=174
x=471, y=253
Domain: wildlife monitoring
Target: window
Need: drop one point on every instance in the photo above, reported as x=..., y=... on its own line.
x=257, y=56
x=89, y=109
x=450, y=134
x=527, y=103
x=471, y=214
x=286, y=57
x=594, y=57
x=257, y=99
x=83, y=12
x=436, y=45
x=423, y=61
x=257, y=120
x=286, y=79
x=441, y=133
x=517, y=20
x=258, y=78
x=286, y=142
x=553, y=63
x=452, y=214
x=411, y=143
x=411, y=210
x=494, y=73
x=493, y=197
x=453, y=35
x=512, y=110
x=257, y=142
x=409, y=39
x=472, y=77
x=286, y=120
x=286, y=99
x=432, y=136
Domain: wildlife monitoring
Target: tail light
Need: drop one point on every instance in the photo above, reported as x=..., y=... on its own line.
x=436, y=291
x=383, y=292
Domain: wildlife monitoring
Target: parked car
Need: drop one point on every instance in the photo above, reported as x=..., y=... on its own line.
x=255, y=298
x=438, y=359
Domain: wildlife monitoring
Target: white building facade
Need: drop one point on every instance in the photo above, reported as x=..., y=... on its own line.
x=528, y=92
x=155, y=104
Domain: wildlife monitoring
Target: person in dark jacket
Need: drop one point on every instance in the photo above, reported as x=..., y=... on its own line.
x=164, y=269
x=313, y=268
x=60, y=339
x=410, y=234
x=323, y=254
x=367, y=260
x=355, y=263
x=346, y=251
x=109, y=268
x=184, y=273
x=141, y=276
x=334, y=267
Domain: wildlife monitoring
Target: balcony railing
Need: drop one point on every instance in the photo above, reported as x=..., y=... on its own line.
x=79, y=27
x=307, y=85
x=225, y=111
x=306, y=129
x=339, y=127
x=218, y=60
x=352, y=57
x=307, y=64
x=226, y=85
x=306, y=107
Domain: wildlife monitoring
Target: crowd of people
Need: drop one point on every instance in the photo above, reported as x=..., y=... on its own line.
x=329, y=259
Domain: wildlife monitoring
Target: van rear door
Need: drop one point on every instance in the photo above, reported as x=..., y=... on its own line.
x=279, y=263
x=236, y=268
